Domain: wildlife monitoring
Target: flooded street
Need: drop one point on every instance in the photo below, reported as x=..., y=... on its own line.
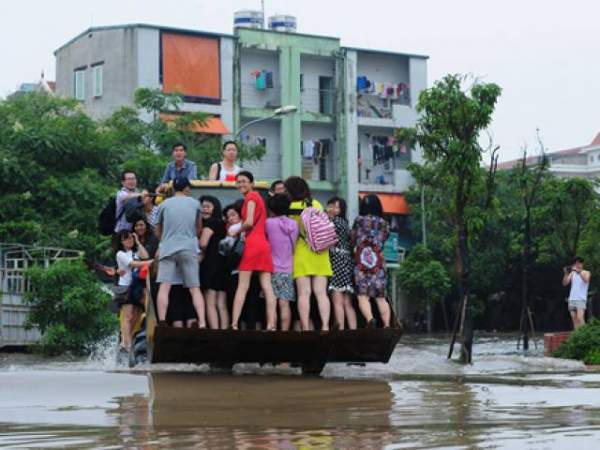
x=419, y=400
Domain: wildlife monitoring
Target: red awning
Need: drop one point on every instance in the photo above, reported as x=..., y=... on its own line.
x=391, y=203
x=212, y=125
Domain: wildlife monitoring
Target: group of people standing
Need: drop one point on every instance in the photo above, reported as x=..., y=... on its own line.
x=249, y=264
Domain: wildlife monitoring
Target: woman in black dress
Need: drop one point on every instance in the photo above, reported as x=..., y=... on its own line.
x=341, y=284
x=213, y=273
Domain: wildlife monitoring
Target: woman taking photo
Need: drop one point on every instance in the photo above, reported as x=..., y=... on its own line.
x=213, y=275
x=226, y=170
x=256, y=256
x=341, y=284
x=129, y=257
x=311, y=269
x=369, y=233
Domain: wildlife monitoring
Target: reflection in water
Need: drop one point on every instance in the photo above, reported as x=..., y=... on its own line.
x=419, y=400
x=257, y=412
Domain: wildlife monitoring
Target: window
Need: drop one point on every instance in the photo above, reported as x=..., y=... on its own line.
x=301, y=82
x=80, y=84
x=97, y=80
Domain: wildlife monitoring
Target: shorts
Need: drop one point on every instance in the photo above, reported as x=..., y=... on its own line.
x=186, y=262
x=283, y=286
x=577, y=304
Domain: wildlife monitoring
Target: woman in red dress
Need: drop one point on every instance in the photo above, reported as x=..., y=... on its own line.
x=257, y=251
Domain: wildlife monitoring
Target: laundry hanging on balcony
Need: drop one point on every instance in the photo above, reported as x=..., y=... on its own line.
x=383, y=89
x=315, y=149
x=263, y=79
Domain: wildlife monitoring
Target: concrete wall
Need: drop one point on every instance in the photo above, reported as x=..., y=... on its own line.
x=351, y=135
x=382, y=67
x=270, y=166
x=251, y=60
x=311, y=68
x=118, y=49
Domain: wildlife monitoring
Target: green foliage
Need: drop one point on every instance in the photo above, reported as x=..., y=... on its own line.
x=583, y=344
x=423, y=278
x=59, y=167
x=70, y=307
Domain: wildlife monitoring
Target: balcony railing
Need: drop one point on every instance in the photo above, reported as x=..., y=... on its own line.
x=268, y=98
x=373, y=105
x=320, y=101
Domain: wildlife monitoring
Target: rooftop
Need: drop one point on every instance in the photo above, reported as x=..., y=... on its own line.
x=225, y=35
x=534, y=159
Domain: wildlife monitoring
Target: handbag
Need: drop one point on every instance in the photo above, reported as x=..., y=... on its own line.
x=120, y=294
x=234, y=254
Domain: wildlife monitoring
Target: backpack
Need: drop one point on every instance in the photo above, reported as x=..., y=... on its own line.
x=319, y=231
x=368, y=257
x=108, y=217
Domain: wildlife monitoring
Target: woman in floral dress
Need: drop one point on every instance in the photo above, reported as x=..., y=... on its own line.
x=369, y=233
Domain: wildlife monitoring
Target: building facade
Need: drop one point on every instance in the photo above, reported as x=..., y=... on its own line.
x=582, y=162
x=349, y=101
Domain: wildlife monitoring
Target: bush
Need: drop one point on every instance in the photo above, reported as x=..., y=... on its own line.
x=69, y=307
x=583, y=344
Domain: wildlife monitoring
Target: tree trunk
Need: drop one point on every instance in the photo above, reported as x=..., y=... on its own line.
x=524, y=282
x=466, y=324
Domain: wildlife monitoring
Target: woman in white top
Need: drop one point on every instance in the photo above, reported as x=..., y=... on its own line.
x=129, y=257
x=226, y=170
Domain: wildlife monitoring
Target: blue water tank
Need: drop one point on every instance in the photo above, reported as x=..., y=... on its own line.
x=248, y=19
x=283, y=23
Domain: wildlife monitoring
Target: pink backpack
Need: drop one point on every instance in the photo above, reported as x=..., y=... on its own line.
x=319, y=231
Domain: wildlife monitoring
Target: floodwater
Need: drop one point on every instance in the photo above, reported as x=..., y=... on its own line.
x=419, y=400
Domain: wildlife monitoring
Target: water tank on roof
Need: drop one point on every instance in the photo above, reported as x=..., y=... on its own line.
x=248, y=19
x=283, y=23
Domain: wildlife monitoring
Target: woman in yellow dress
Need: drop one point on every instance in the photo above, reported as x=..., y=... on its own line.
x=311, y=269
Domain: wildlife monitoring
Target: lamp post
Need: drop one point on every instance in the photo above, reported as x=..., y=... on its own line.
x=282, y=111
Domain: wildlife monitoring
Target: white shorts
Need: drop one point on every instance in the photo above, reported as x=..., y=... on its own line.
x=574, y=305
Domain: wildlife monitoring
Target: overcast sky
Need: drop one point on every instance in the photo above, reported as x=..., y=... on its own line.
x=544, y=53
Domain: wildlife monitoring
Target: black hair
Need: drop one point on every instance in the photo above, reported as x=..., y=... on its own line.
x=125, y=172
x=578, y=259
x=179, y=144
x=180, y=184
x=275, y=183
x=148, y=227
x=298, y=189
x=122, y=236
x=342, y=203
x=247, y=174
x=217, y=212
x=236, y=206
x=279, y=204
x=370, y=205
x=226, y=143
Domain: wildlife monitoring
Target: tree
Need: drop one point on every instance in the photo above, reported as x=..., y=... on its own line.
x=70, y=307
x=529, y=180
x=423, y=278
x=448, y=131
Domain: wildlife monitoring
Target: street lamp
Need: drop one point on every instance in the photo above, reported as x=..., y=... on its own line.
x=281, y=111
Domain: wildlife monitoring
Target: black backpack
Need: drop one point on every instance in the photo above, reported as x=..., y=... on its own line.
x=108, y=217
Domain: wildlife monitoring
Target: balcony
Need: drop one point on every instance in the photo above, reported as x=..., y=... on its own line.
x=318, y=101
x=267, y=98
x=376, y=111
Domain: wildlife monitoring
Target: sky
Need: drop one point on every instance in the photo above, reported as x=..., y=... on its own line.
x=545, y=54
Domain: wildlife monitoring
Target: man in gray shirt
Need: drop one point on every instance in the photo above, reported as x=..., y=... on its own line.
x=179, y=226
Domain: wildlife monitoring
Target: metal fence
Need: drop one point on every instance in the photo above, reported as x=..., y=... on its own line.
x=15, y=259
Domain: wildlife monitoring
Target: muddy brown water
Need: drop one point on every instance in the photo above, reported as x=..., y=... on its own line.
x=419, y=400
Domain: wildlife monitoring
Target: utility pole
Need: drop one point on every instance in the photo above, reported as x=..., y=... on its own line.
x=424, y=240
